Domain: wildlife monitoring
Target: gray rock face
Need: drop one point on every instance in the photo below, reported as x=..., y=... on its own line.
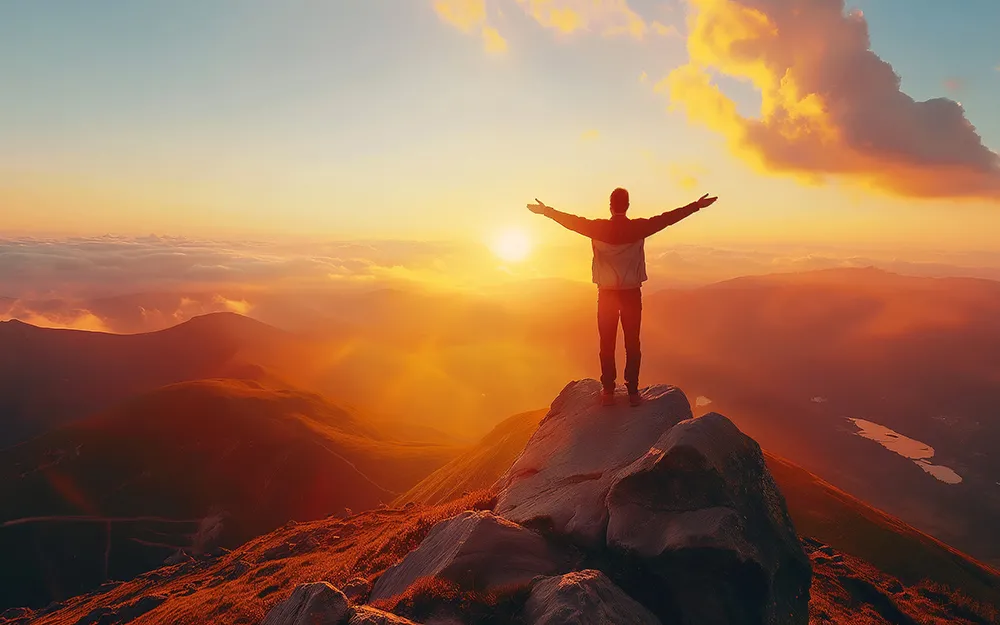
x=478, y=551
x=583, y=598
x=704, y=514
x=682, y=512
x=316, y=603
x=562, y=477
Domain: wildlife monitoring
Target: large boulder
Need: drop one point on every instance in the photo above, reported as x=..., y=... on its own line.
x=583, y=598
x=316, y=603
x=703, y=514
x=476, y=550
x=561, y=479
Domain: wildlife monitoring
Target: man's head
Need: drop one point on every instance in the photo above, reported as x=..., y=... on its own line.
x=619, y=201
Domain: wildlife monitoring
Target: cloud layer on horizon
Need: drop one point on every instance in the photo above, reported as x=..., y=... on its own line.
x=109, y=265
x=114, y=283
x=139, y=284
x=831, y=107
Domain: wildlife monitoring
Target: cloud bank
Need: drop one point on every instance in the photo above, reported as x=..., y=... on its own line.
x=123, y=284
x=126, y=284
x=110, y=265
x=830, y=106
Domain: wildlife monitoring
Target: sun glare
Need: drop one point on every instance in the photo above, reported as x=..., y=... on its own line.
x=512, y=246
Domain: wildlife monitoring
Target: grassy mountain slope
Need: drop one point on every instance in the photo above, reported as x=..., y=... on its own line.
x=49, y=376
x=240, y=587
x=192, y=465
x=478, y=467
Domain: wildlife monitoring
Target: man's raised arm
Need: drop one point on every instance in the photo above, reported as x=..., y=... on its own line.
x=582, y=225
x=669, y=218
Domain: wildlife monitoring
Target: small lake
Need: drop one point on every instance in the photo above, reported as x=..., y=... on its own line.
x=919, y=453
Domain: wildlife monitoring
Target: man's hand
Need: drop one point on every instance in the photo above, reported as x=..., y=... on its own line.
x=704, y=201
x=538, y=208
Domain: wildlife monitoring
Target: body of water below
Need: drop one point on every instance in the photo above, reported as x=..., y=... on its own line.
x=919, y=453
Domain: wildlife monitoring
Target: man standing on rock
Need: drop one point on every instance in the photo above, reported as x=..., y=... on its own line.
x=619, y=269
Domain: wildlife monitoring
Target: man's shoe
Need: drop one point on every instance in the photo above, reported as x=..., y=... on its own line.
x=607, y=397
x=634, y=399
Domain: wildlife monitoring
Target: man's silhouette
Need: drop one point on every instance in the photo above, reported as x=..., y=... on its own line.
x=619, y=269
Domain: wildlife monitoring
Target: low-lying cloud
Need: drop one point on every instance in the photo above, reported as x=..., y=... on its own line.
x=109, y=265
x=125, y=284
x=139, y=284
x=830, y=106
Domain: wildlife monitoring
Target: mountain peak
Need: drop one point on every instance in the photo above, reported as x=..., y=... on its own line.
x=16, y=323
x=224, y=319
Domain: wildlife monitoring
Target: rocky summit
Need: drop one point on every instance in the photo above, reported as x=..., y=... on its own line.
x=615, y=515
x=627, y=515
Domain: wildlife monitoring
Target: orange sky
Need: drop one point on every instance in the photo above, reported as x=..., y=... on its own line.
x=441, y=119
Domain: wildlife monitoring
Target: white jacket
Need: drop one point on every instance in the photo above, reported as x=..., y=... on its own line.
x=619, y=250
x=621, y=266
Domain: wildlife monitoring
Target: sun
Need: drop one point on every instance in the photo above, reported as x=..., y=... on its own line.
x=512, y=246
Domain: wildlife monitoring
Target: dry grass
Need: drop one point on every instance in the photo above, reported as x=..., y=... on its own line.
x=435, y=598
x=959, y=603
x=478, y=467
x=240, y=587
x=846, y=590
x=833, y=517
x=389, y=549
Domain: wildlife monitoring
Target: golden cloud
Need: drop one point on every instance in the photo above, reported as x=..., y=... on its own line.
x=610, y=17
x=470, y=16
x=493, y=41
x=240, y=306
x=466, y=15
x=830, y=107
x=686, y=175
x=615, y=17
x=665, y=30
x=77, y=320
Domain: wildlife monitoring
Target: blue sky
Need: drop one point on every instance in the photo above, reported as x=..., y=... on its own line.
x=929, y=42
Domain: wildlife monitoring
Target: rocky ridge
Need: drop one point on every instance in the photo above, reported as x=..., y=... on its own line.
x=626, y=515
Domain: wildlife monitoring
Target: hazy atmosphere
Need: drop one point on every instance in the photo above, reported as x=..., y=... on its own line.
x=298, y=327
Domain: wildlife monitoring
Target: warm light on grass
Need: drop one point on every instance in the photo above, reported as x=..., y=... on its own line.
x=512, y=246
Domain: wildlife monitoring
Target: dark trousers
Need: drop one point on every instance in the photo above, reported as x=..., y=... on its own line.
x=613, y=305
